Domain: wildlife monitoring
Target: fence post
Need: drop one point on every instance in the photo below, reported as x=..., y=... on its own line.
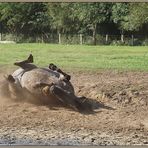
x=42, y=38
x=0, y=36
x=106, y=38
x=132, y=40
x=122, y=38
x=59, y=38
x=81, y=39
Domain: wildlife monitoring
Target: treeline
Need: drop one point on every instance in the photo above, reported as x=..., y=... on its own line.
x=32, y=19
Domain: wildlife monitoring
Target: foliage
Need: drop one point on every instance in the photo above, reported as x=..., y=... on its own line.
x=138, y=16
x=41, y=19
x=24, y=17
x=119, y=12
x=92, y=14
x=62, y=17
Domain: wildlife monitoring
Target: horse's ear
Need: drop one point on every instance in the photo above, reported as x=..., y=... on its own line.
x=46, y=90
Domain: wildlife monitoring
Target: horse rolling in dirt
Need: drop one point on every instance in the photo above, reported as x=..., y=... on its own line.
x=47, y=85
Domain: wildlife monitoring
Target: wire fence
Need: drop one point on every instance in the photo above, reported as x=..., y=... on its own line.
x=105, y=39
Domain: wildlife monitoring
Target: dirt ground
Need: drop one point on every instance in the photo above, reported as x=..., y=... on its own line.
x=120, y=114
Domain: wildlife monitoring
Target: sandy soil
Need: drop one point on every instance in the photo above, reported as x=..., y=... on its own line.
x=120, y=117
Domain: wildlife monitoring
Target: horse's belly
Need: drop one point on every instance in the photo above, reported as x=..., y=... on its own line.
x=32, y=78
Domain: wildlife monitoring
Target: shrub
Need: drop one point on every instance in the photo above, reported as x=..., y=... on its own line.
x=70, y=39
x=145, y=42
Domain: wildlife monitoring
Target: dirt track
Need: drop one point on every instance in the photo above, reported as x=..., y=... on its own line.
x=121, y=117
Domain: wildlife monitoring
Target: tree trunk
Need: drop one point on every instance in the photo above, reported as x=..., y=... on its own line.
x=94, y=34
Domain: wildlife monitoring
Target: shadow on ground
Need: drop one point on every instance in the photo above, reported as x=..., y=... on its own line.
x=89, y=106
x=93, y=106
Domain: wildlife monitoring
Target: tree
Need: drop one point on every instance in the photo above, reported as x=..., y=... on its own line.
x=27, y=18
x=62, y=17
x=130, y=16
x=32, y=19
x=92, y=15
x=119, y=12
x=7, y=16
x=137, y=17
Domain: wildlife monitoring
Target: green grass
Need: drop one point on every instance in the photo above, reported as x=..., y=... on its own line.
x=78, y=56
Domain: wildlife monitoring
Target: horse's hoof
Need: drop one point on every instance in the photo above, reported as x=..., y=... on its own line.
x=10, y=79
x=30, y=58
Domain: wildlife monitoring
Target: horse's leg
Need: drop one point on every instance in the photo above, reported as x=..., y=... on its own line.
x=25, y=63
x=67, y=98
x=41, y=84
x=14, y=87
x=54, y=67
x=63, y=96
x=10, y=79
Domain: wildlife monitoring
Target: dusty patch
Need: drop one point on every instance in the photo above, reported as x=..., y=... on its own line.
x=121, y=118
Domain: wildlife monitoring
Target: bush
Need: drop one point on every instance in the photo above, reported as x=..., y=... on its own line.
x=145, y=42
x=137, y=42
x=88, y=40
x=118, y=43
x=101, y=40
x=70, y=39
x=8, y=37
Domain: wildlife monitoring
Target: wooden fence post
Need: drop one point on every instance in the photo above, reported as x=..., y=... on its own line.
x=132, y=40
x=122, y=38
x=59, y=38
x=106, y=38
x=42, y=38
x=81, y=39
x=0, y=36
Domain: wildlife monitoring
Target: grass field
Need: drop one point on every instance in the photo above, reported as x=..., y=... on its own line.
x=78, y=56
